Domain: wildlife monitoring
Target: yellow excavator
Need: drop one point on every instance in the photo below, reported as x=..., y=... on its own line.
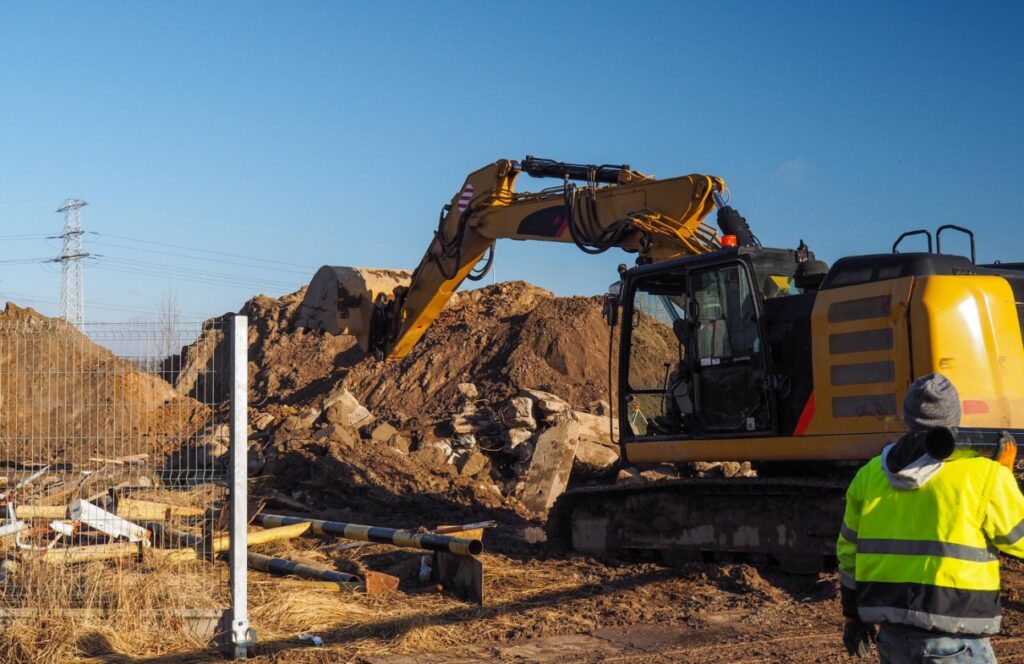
x=728, y=350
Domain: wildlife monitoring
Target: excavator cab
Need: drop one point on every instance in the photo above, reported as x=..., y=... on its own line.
x=693, y=344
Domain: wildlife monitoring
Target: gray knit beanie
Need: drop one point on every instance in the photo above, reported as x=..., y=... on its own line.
x=931, y=402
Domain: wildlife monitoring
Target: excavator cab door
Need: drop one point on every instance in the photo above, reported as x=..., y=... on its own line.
x=727, y=357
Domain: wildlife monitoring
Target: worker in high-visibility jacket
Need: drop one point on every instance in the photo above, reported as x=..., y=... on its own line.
x=918, y=545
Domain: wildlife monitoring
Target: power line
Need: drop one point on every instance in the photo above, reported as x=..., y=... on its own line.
x=197, y=258
x=200, y=251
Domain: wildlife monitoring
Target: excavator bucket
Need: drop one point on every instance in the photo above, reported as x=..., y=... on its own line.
x=340, y=300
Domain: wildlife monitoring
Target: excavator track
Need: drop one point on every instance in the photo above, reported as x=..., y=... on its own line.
x=791, y=521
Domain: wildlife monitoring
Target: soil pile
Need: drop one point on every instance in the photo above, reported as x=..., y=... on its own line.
x=502, y=338
x=65, y=398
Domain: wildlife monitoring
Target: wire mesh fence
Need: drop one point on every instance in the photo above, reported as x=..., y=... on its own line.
x=114, y=466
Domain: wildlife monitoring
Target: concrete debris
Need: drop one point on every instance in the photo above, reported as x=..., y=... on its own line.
x=400, y=442
x=471, y=463
x=467, y=390
x=516, y=437
x=665, y=471
x=465, y=441
x=595, y=458
x=518, y=414
x=629, y=476
x=262, y=421
x=339, y=434
x=341, y=407
x=383, y=433
x=463, y=424
x=309, y=416
x=596, y=429
x=548, y=404
x=551, y=464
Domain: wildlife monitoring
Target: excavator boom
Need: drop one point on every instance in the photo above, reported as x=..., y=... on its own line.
x=612, y=206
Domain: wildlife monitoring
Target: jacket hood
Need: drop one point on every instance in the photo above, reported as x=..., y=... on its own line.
x=908, y=472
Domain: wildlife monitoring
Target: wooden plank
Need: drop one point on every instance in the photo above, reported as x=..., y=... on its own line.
x=80, y=554
x=149, y=510
x=41, y=511
x=223, y=542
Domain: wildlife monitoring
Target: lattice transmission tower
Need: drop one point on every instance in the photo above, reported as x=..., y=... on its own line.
x=72, y=294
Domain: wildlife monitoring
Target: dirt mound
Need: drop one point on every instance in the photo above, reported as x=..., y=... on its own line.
x=502, y=338
x=66, y=398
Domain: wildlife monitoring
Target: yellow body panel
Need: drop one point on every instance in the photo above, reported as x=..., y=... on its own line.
x=966, y=327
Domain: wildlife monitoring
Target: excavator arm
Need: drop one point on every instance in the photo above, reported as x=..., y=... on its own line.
x=612, y=206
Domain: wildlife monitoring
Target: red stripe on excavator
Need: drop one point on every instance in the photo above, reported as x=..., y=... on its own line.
x=973, y=407
x=805, y=417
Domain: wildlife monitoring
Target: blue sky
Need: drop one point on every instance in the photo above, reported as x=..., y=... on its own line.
x=308, y=133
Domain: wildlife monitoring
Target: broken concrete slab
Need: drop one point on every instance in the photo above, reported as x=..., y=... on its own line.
x=547, y=404
x=467, y=390
x=597, y=429
x=595, y=458
x=518, y=414
x=551, y=464
x=345, y=409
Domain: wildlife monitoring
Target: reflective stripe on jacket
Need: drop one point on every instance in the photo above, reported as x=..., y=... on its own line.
x=927, y=556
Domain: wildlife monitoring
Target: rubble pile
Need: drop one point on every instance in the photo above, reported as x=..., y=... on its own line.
x=499, y=403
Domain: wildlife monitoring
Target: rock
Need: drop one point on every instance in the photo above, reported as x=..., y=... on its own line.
x=595, y=429
x=309, y=416
x=400, y=442
x=430, y=456
x=551, y=464
x=467, y=390
x=594, y=457
x=465, y=441
x=629, y=476
x=548, y=404
x=339, y=434
x=462, y=424
x=518, y=414
x=665, y=471
x=383, y=433
x=345, y=409
x=600, y=407
x=471, y=464
x=262, y=421
x=516, y=437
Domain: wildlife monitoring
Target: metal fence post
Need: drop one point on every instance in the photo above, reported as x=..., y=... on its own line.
x=242, y=636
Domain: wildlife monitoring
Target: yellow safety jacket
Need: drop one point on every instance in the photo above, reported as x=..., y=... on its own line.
x=925, y=554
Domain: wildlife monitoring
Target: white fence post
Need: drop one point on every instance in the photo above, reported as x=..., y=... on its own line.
x=242, y=636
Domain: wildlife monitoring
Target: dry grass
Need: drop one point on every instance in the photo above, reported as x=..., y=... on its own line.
x=128, y=620
x=69, y=612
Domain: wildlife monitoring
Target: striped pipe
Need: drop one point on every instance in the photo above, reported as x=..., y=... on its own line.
x=460, y=546
x=272, y=565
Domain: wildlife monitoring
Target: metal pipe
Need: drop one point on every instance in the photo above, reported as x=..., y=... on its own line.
x=272, y=565
x=460, y=546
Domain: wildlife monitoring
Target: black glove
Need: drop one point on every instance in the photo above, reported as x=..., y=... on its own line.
x=858, y=637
